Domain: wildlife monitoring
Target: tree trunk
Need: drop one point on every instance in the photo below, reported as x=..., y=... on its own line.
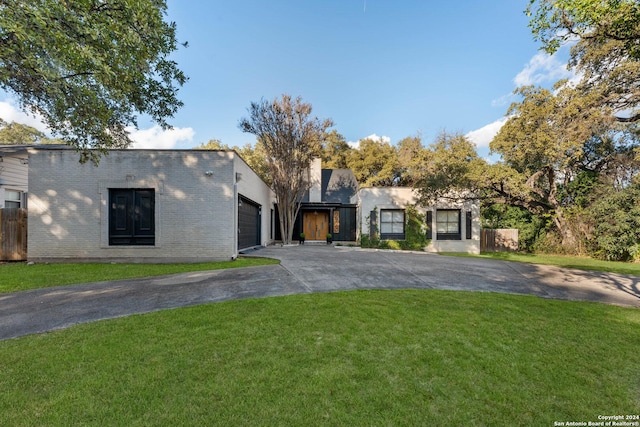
x=287, y=212
x=566, y=234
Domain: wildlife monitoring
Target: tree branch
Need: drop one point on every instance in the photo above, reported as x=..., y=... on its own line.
x=632, y=119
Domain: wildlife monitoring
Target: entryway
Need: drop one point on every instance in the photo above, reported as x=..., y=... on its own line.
x=315, y=225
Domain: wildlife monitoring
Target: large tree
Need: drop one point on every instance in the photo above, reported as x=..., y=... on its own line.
x=544, y=147
x=452, y=169
x=374, y=163
x=291, y=137
x=556, y=146
x=412, y=159
x=335, y=151
x=89, y=67
x=606, y=48
x=13, y=133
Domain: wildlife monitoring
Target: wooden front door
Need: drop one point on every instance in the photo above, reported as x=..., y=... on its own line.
x=316, y=225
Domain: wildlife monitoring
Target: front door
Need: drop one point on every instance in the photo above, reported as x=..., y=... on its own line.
x=316, y=225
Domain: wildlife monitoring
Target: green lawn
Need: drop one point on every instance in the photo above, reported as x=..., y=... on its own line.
x=21, y=276
x=582, y=263
x=355, y=358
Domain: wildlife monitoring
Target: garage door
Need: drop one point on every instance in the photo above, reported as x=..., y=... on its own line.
x=248, y=223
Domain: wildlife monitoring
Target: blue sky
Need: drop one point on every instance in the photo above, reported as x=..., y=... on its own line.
x=376, y=67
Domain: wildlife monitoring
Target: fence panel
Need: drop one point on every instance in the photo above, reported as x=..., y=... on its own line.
x=499, y=240
x=13, y=234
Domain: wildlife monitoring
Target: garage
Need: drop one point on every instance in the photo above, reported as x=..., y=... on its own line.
x=248, y=223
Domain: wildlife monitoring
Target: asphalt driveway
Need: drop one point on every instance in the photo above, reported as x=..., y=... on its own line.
x=304, y=269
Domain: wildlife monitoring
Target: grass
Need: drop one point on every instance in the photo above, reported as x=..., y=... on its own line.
x=582, y=263
x=357, y=358
x=21, y=276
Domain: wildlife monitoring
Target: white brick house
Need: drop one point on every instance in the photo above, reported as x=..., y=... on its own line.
x=145, y=206
x=452, y=226
x=197, y=205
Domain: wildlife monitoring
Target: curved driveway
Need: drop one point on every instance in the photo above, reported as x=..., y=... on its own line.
x=304, y=269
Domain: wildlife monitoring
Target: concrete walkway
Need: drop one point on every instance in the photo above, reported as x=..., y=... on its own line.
x=304, y=269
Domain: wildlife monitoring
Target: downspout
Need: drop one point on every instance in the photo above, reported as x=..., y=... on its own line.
x=236, y=202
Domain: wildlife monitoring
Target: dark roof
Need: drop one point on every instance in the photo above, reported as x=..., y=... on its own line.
x=338, y=185
x=14, y=149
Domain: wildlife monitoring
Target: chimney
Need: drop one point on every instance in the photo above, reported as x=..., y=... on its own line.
x=315, y=181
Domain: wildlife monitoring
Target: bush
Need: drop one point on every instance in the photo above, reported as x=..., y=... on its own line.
x=616, y=225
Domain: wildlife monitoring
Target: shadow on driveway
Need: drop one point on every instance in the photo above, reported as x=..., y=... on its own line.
x=305, y=269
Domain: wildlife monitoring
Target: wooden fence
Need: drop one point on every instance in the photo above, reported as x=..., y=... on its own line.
x=499, y=240
x=13, y=234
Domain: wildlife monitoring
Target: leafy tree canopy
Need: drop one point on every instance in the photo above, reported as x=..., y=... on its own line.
x=213, y=144
x=335, y=151
x=607, y=52
x=17, y=134
x=413, y=159
x=14, y=133
x=555, y=22
x=453, y=169
x=89, y=67
x=375, y=163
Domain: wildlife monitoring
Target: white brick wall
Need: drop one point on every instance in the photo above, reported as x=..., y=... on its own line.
x=253, y=188
x=369, y=199
x=195, y=211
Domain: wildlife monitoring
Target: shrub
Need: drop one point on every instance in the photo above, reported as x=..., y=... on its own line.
x=616, y=225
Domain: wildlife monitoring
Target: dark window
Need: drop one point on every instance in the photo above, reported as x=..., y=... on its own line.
x=391, y=224
x=131, y=217
x=448, y=224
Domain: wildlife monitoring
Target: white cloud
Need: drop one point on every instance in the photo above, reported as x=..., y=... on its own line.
x=543, y=68
x=157, y=138
x=10, y=113
x=377, y=138
x=483, y=136
x=373, y=137
x=503, y=101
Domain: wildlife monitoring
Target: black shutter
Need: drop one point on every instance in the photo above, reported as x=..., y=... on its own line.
x=373, y=224
x=429, y=225
x=468, y=228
